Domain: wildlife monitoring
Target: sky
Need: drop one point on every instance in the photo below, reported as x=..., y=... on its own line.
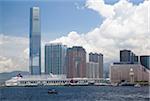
x=58, y=17
x=99, y=26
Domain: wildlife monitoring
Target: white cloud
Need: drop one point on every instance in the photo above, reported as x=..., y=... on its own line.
x=125, y=26
x=101, y=7
x=13, y=53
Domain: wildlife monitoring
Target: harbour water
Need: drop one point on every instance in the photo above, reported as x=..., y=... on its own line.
x=75, y=93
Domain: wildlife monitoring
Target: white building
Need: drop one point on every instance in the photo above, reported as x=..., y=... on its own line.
x=92, y=70
x=97, y=58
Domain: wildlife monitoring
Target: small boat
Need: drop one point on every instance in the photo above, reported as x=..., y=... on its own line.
x=137, y=85
x=52, y=91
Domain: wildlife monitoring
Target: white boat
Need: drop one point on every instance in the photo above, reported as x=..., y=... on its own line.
x=137, y=85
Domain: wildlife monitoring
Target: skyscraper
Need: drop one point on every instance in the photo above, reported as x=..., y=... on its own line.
x=97, y=58
x=35, y=42
x=76, y=62
x=55, y=58
x=127, y=56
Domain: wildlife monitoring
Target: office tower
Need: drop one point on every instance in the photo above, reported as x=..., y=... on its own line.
x=76, y=62
x=92, y=70
x=55, y=58
x=145, y=61
x=127, y=56
x=97, y=58
x=35, y=42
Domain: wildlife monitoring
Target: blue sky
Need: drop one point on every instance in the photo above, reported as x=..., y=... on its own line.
x=58, y=17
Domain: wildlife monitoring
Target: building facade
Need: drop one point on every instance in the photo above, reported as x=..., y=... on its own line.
x=145, y=61
x=122, y=72
x=76, y=62
x=35, y=42
x=55, y=58
x=92, y=70
x=97, y=58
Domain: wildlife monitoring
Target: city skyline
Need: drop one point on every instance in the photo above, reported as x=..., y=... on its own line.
x=94, y=39
x=74, y=50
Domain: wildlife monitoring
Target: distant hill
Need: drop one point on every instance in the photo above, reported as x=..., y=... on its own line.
x=7, y=75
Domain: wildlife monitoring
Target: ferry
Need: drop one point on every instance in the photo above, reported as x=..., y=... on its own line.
x=46, y=80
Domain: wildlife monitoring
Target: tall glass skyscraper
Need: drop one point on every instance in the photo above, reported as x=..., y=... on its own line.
x=55, y=58
x=35, y=41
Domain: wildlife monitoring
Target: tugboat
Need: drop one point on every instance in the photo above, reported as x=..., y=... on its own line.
x=52, y=91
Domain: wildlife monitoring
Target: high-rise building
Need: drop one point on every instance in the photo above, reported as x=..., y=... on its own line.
x=92, y=70
x=35, y=41
x=97, y=58
x=127, y=56
x=55, y=58
x=145, y=61
x=76, y=62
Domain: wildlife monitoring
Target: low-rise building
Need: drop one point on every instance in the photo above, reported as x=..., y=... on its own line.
x=122, y=72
